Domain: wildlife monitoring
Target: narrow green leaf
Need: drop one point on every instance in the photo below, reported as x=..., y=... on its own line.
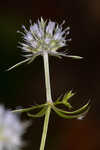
x=30, y=108
x=58, y=99
x=67, y=96
x=39, y=114
x=68, y=105
x=78, y=111
x=63, y=115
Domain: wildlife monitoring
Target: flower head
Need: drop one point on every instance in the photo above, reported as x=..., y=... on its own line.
x=43, y=37
x=11, y=130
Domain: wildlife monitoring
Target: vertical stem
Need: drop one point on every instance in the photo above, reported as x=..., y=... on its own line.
x=45, y=128
x=48, y=98
x=47, y=77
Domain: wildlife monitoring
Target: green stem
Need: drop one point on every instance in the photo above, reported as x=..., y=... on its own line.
x=48, y=99
x=47, y=77
x=45, y=128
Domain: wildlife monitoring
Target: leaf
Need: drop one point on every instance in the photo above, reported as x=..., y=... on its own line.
x=58, y=99
x=68, y=105
x=39, y=114
x=63, y=115
x=29, y=108
x=18, y=64
x=78, y=111
x=67, y=96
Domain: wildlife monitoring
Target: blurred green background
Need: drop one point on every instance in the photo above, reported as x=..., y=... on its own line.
x=25, y=85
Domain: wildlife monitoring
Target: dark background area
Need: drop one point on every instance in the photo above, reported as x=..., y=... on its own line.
x=25, y=85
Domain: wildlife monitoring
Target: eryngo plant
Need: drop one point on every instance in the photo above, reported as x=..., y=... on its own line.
x=45, y=38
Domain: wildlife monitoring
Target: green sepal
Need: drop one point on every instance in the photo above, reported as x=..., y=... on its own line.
x=41, y=113
x=18, y=64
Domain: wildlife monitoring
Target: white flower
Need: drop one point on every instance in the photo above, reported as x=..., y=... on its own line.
x=11, y=130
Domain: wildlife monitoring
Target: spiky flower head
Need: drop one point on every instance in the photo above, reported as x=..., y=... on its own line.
x=43, y=37
x=11, y=130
